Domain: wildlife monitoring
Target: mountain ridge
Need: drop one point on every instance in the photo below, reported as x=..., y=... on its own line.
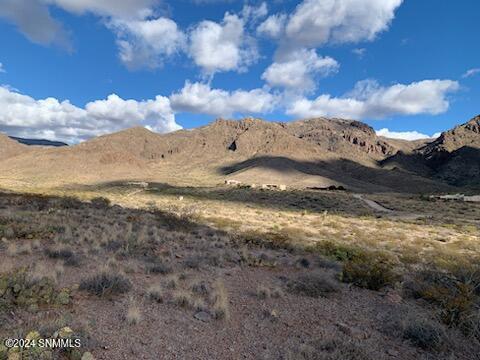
x=313, y=152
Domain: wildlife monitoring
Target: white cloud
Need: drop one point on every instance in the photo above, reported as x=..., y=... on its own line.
x=471, y=72
x=316, y=22
x=133, y=21
x=201, y=98
x=222, y=47
x=2, y=68
x=403, y=135
x=297, y=71
x=125, y=9
x=23, y=115
x=273, y=26
x=33, y=19
x=360, y=52
x=147, y=42
x=370, y=100
x=254, y=13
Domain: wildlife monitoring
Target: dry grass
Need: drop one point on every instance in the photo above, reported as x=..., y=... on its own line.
x=221, y=306
x=133, y=315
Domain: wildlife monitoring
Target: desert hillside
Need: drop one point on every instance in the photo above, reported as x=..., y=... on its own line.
x=308, y=153
x=453, y=158
x=9, y=147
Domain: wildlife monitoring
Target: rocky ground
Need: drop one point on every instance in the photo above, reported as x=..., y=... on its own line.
x=149, y=284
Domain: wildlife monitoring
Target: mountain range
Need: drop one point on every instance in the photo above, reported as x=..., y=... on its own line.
x=315, y=152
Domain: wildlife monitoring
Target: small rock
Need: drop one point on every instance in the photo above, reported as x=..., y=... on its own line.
x=88, y=356
x=393, y=352
x=352, y=331
x=65, y=332
x=203, y=316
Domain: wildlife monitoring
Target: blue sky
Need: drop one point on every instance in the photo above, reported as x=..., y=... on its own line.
x=406, y=66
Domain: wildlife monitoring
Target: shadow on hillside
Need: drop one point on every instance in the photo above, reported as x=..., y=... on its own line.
x=460, y=168
x=350, y=174
x=294, y=200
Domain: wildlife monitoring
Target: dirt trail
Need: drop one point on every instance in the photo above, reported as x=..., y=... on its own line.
x=373, y=204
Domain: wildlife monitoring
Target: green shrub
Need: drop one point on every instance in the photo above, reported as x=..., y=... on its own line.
x=340, y=252
x=370, y=270
x=455, y=296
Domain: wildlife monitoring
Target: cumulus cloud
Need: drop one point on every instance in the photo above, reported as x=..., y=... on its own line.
x=217, y=47
x=404, y=135
x=254, y=13
x=33, y=19
x=125, y=9
x=23, y=115
x=147, y=42
x=142, y=37
x=315, y=23
x=370, y=100
x=273, y=26
x=201, y=98
x=2, y=68
x=471, y=72
x=297, y=71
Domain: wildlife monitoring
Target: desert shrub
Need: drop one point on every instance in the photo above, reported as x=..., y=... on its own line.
x=66, y=254
x=221, y=308
x=370, y=270
x=340, y=252
x=270, y=240
x=155, y=293
x=315, y=284
x=200, y=288
x=424, y=333
x=159, y=267
x=69, y=202
x=326, y=263
x=100, y=202
x=106, y=284
x=183, y=299
x=193, y=262
x=134, y=315
x=455, y=296
x=27, y=289
x=263, y=292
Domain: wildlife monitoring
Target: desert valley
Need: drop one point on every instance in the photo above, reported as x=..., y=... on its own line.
x=314, y=239
x=239, y=179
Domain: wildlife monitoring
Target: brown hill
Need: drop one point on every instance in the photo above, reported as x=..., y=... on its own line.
x=9, y=147
x=453, y=158
x=315, y=152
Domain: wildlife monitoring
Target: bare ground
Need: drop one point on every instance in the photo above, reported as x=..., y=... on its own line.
x=259, y=314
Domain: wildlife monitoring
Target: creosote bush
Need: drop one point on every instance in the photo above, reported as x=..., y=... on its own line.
x=424, y=333
x=314, y=284
x=106, y=284
x=370, y=270
x=455, y=294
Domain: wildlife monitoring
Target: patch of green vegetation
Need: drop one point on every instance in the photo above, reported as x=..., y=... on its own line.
x=456, y=293
x=339, y=252
x=18, y=288
x=371, y=270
